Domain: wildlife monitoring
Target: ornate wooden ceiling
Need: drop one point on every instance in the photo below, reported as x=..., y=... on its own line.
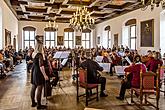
x=62, y=10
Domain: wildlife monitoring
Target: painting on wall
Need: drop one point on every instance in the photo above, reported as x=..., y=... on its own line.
x=60, y=40
x=7, y=37
x=98, y=40
x=78, y=40
x=116, y=40
x=147, y=33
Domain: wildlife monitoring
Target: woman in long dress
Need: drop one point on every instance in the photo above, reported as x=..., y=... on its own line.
x=38, y=76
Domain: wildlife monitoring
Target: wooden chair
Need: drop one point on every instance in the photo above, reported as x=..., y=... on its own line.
x=82, y=82
x=162, y=79
x=147, y=87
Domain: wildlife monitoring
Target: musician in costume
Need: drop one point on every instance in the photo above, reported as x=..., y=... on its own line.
x=133, y=78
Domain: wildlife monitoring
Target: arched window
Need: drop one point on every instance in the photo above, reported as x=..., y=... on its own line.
x=29, y=36
x=108, y=34
x=68, y=37
x=50, y=37
x=130, y=34
x=86, y=38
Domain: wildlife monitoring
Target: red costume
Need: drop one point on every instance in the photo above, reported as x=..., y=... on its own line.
x=134, y=71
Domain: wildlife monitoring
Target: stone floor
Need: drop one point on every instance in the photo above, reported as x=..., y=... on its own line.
x=15, y=94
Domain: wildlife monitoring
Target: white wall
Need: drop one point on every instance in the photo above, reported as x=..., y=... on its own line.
x=9, y=22
x=162, y=31
x=117, y=23
x=40, y=29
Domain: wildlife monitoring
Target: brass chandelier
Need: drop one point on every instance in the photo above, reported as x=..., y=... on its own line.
x=81, y=19
x=52, y=25
x=153, y=3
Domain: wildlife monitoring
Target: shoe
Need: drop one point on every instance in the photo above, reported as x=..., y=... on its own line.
x=120, y=98
x=33, y=104
x=103, y=95
x=41, y=107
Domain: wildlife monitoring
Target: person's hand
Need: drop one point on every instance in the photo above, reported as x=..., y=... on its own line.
x=46, y=77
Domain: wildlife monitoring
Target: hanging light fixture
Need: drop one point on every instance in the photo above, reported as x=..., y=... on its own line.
x=153, y=3
x=81, y=19
x=52, y=25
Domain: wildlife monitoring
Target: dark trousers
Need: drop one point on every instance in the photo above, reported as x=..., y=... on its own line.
x=102, y=81
x=125, y=85
x=39, y=93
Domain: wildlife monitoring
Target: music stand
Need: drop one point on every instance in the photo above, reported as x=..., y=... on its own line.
x=61, y=55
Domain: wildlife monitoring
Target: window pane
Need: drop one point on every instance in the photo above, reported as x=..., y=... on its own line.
x=70, y=35
x=26, y=35
x=32, y=44
x=47, y=36
x=132, y=43
x=47, y=44
x=26, y=44
x=52, y=44
x=83, y=44
x=31, y=35
x=87, y=36
x=66, y=36
x=70, y=44
x=83, y=36
x=109, y=43
x=66, y=44
x=87, y=44
x=133, y=29
x=52, y=35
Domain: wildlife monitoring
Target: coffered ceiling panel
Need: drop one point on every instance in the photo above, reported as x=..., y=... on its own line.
x=62, y=10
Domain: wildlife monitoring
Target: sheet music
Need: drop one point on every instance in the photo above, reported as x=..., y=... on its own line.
x=57, y=54
x=64, y=61
x=106, y=66
x=65, y=54
x=128, y=60
x=120, y=70
x=99, y=59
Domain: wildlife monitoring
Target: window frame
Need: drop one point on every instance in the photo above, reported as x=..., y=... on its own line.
x=29, y=40
x=131, y=38
x=55, y=36
x=86, y=39
x=68, y=40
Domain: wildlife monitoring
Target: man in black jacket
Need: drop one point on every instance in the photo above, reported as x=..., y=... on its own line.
x=92, y=75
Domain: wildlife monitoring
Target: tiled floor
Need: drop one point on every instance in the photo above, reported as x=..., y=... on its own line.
x=15, y=94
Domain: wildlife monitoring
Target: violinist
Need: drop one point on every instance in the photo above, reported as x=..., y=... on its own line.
x=133, y=78
x=152, y=65
x=115, y=60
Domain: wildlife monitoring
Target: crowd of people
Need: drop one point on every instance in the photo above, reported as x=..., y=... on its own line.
x=43, y=66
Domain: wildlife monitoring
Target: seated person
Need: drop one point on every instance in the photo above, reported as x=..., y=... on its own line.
x=55, y=67
x=92, y=74
x=152, y=65
x=133, y=78
x=29, y=61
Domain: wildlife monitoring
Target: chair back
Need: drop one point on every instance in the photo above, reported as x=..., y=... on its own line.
x=82, y=75
x=147, y=80
x=162, y=71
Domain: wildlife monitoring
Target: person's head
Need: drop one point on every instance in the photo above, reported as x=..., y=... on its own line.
x=157, y=55
x=149, y=53
x=137, y=59
x=39, y=46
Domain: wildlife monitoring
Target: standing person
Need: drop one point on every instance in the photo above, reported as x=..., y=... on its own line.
x=38, y=76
